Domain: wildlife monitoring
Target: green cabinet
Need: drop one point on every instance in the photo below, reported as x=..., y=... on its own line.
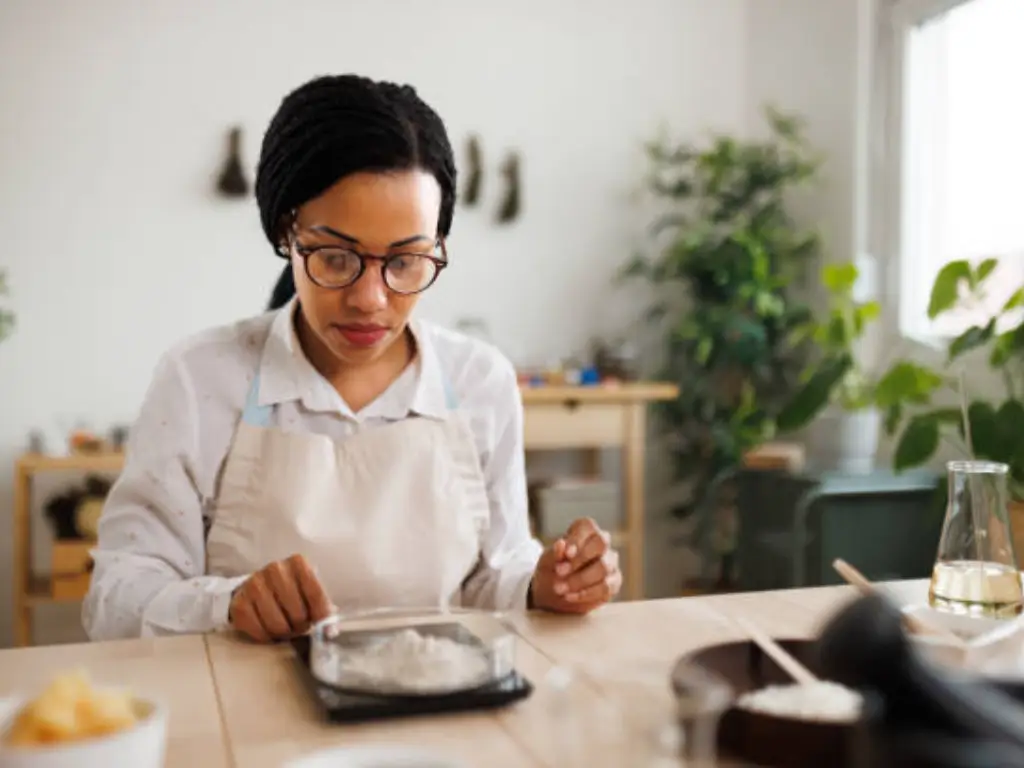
x=792, y=527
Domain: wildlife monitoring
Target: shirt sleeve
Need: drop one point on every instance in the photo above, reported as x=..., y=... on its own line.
x=509, y=553
x=149, y=563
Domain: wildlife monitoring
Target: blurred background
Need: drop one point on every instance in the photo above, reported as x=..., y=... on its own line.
x=889, y=151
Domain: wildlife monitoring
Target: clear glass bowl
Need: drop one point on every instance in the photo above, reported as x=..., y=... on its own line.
x=412, y=652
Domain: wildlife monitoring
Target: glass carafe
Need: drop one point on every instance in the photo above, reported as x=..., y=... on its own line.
x=976, y=572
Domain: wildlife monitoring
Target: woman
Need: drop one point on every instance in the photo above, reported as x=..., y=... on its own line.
x=335, y=453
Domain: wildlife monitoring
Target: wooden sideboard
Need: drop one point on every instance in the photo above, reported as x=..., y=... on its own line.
x=590, y=419
x=556, y=418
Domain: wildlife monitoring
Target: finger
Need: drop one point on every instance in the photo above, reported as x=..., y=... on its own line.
x=592, y=548
x=584, y=591
x=288, y=595
x=593, y=574
x=245, y=620
x=595, y=594
x=551, y=555
x=267, y=610
x=317, y=601
x=579, y=531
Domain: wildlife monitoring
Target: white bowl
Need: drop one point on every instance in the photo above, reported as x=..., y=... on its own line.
x=374, y=757
x=141, y=746
x=988, y=646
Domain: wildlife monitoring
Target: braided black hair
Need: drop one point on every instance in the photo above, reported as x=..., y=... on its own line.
x=337, y=125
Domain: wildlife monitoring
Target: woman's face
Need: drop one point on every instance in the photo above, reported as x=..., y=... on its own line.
x=376, y=214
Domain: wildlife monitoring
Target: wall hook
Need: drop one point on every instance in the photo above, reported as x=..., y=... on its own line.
x=474, y=179
x=511, y=205
x=232, y=181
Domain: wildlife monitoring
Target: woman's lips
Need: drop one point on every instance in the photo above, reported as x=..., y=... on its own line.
x=362, y=335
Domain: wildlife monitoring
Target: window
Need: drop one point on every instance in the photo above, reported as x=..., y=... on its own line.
x=962, y=152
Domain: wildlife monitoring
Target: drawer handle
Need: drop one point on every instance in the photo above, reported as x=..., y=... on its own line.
x=571, y=404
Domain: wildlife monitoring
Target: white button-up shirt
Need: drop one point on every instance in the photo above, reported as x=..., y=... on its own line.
x=149, y=565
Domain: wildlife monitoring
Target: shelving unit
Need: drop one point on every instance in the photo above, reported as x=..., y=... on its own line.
x=590, y=419
x=31, y=590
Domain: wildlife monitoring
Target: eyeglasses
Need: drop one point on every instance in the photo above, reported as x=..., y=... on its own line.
x=331, y=266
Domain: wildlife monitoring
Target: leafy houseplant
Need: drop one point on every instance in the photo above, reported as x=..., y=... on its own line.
x=725, y=257
x=836, y=376
x=997, y=428
x=6, y=316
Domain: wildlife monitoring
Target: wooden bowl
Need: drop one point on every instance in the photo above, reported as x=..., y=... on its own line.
x=781, y=742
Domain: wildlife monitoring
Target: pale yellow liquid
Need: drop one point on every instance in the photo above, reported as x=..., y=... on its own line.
x=974, y=588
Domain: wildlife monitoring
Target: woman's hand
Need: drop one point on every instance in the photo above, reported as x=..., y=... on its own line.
x=578, y=572
x=280, y=601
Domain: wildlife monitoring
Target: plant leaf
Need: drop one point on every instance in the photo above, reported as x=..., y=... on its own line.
x=1016, y=300
x=946, y=288
x=893, y=416
x=985, y=269
x=839, y=278
x=906, y=382
x=984, y=431
x=972, y=338
x=638, y=266
x=917, y=444
x=815, y=394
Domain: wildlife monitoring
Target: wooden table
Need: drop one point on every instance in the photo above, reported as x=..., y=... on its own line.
x=234, y=704
x=589, y=419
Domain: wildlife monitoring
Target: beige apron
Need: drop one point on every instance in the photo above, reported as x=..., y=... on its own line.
x=391, y=517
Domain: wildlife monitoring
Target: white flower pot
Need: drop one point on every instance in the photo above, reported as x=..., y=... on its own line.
x=845, y=441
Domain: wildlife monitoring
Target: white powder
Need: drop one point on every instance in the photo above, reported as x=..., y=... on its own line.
x=411, y=661
x=823, y=700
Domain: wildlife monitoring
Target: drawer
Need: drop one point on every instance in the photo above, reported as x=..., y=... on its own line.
x=69, y=587
x=565, y=426
x=70, y=558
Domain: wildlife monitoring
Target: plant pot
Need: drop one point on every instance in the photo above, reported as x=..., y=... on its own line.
x=845, y=441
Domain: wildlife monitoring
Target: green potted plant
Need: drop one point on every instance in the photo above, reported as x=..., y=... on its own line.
x=6, y=316
x=838, y=391
x=923, y=402
x=724, y=259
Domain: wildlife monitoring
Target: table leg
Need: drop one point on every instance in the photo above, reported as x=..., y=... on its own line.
x=633, y=480
x=21, y=546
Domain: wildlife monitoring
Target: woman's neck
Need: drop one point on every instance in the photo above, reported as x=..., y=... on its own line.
x=358, y=385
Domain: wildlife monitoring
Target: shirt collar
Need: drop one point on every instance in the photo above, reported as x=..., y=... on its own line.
x=287, y=375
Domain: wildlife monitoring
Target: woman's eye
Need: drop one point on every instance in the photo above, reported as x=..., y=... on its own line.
x=338, y=259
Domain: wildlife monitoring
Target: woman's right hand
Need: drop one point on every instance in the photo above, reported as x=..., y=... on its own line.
x=280, y=601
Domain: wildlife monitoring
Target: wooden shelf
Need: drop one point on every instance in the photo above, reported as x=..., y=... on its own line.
x=640, y=392
x=33, y=463
x=40, y=592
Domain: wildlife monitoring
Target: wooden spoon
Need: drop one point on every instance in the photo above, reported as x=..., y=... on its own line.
x=913, y=624
x=775, y=652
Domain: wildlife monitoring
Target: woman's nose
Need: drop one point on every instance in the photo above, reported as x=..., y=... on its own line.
x=369, y=293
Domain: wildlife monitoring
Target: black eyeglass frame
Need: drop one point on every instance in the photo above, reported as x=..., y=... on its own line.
x=440, y=263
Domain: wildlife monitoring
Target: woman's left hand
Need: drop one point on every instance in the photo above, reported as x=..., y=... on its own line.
x=578, y=572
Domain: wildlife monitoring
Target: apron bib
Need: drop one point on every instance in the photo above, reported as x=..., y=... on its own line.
x=390, y=517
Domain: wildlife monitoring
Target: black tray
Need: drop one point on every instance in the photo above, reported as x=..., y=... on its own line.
x=339, y=707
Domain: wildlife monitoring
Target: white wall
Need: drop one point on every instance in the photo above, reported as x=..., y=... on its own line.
x=112, y=123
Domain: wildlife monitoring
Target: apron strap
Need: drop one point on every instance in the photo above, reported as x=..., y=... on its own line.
x=254, y=414
x=450, y=399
